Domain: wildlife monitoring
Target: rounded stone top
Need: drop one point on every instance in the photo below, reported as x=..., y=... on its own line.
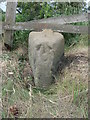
x=47, y=35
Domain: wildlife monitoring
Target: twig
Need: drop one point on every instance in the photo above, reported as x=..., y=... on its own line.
x=7, y=90
x=13, y=90
x=49, y=100
x=50, y=112
x=54, y=78
x=72, y=44
x=72, y=95
x=30, y=101
x=52, y=101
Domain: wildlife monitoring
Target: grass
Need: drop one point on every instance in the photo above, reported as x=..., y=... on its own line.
x=69, y=90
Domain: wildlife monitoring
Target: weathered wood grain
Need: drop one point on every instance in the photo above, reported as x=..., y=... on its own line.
x=10, y=19
x=64, y=19
x=41, y=26
x=57, y=24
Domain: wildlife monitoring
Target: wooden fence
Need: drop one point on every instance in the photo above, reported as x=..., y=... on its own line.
x=60, y=24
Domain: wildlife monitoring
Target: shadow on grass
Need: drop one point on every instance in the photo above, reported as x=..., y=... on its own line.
x=68, y=59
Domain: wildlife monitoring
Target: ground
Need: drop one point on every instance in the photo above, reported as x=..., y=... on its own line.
x=66, y=98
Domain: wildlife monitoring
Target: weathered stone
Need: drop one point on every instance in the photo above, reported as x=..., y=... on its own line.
x=45, y=51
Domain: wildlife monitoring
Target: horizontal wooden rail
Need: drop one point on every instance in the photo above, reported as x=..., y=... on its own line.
x=59, y=24
x=64, y=19
x=41, y=26
x=54, y=23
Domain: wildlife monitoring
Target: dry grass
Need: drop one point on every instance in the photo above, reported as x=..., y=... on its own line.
x=67, y=98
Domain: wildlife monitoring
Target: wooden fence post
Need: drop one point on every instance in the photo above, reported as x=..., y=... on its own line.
x=10, y=19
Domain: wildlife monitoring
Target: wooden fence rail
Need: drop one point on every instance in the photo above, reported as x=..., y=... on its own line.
x=60, y=24
x=41, y=26
x=65, y=19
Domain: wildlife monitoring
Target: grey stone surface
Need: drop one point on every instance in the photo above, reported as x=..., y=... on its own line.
x=45, y=51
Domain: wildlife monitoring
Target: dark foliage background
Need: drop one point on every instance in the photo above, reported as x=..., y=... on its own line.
x=37, y=10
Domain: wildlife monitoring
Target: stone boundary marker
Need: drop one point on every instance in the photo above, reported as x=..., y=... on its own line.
x=45, y=50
